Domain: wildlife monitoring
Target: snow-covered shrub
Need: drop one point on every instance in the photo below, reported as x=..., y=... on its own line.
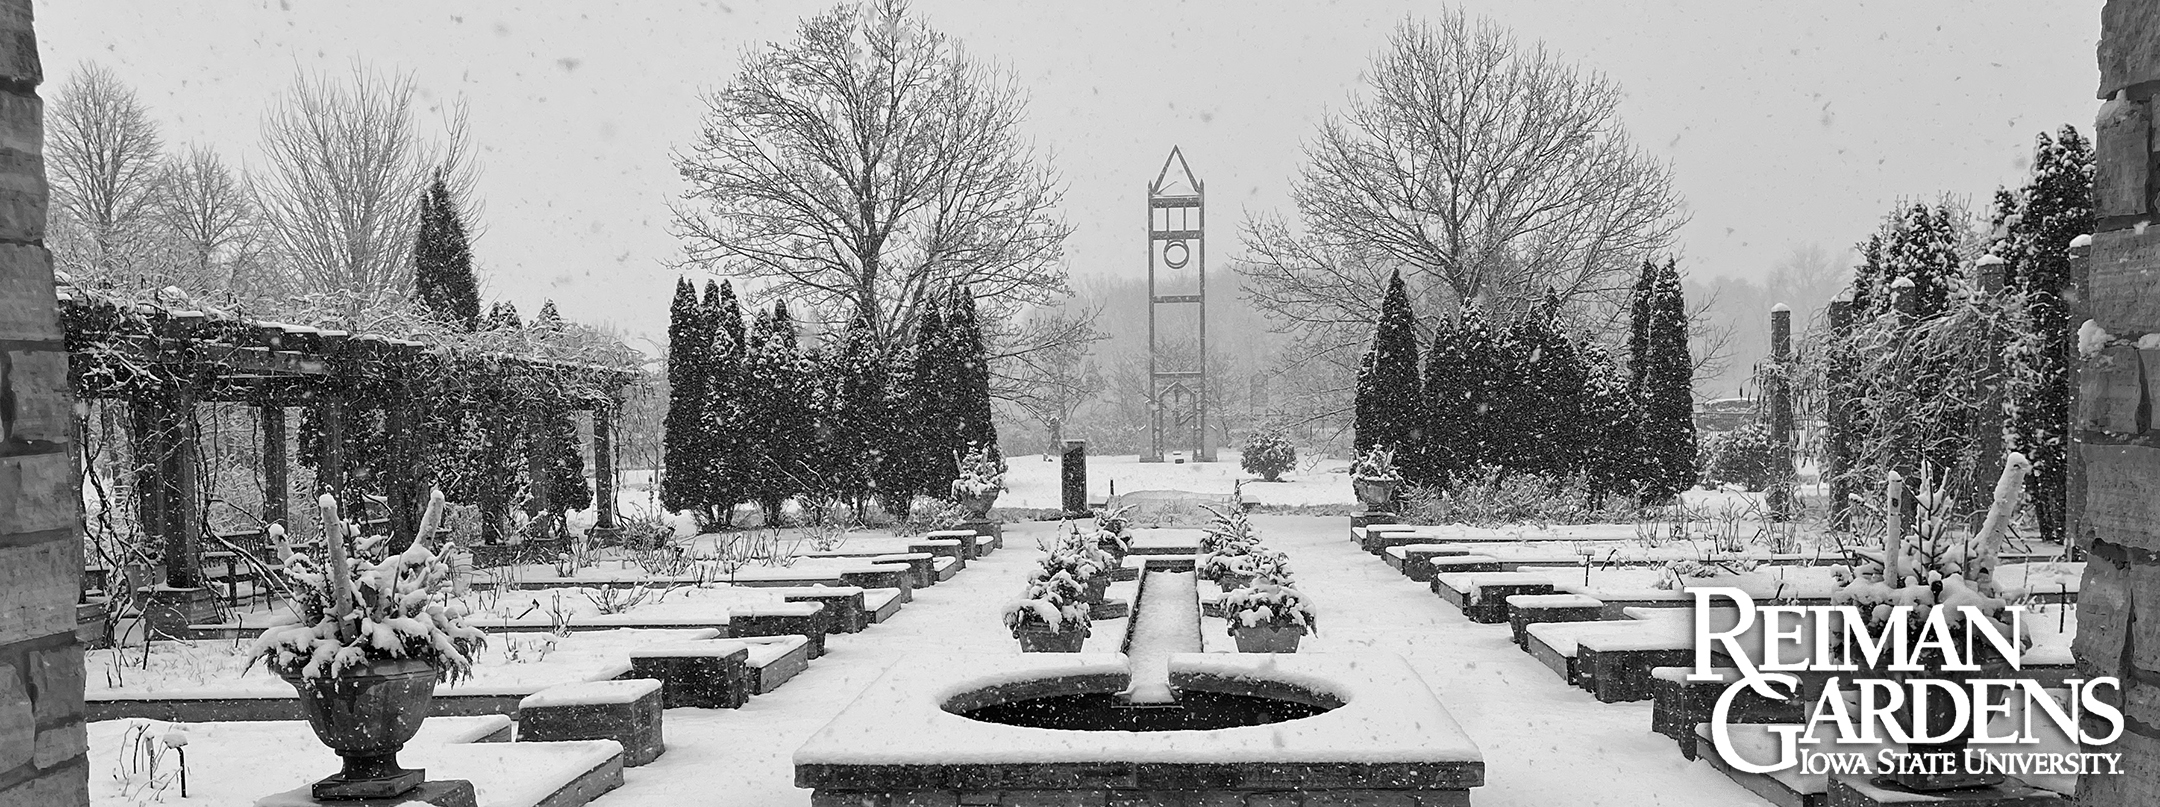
x=1499, y=497
x=1271, y=599
x=1745, y=456
x=1110, y=534
x=980, y=475
x=1056, y=592
x=356, y=609
x=1225, y=542
x=1376, y=464
x=1929, y=563
x=1268, y=453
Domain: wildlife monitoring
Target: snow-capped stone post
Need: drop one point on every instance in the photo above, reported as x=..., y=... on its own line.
x=603, y=465
x=1777, y=391
x=1072, y=477
x=1987, y=428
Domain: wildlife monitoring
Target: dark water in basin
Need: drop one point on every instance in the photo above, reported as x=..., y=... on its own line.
x=1106, y=711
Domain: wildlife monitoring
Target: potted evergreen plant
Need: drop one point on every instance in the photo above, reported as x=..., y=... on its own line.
x=1111, y=536
x=1227, y=539
x=981, y=479
x=1268, y=614
x=374, y=637
x=1051, y=615
x=1929, y=566
x=1374, y=478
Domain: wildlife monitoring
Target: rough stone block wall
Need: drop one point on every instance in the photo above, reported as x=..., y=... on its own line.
x=42, y=759
x=2115, y=468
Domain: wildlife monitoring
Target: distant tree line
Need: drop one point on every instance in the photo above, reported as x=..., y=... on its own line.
x=756, y=416
x=1490, y=402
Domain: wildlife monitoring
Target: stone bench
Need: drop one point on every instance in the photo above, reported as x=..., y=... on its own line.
x=1615, y=666
x=1377, y=538
x=893, y=577
x=1557, y=644
x=805, y=619
x=1482, y=596
x=1525, y=610
x=626, y=711
x=966, y=537
x=846, y=607
x=1454, y=564
x=704, y=675
x=774, y=660
x=1679, y=705
x=944, y=547
x=921, y=566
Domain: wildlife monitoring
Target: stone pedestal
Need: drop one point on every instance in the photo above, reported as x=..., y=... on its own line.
x=443, y=793
x=171, y=610
x=996, y=531
x=1072, y=478
x=706, y=675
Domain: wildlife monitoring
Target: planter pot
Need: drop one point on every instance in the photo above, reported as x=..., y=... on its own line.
x=1375, y=494
x=1036, y=637
x=1097, y=587
x=1265, y=639
x=1940, y=711
x=1233, y=582
x=979, y=506
x=366, y=715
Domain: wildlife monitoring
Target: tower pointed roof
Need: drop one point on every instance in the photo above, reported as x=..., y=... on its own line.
x=1179, y=182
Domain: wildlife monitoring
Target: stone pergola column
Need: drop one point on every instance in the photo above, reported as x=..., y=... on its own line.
x=603, y=461
x=277, y=481
x=41, y=557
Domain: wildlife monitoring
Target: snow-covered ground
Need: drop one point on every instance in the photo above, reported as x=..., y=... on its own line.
x=1032, y=480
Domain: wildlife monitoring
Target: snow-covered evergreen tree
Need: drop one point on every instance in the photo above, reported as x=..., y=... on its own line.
x=857, y=427
x=1612, y=451
x=556, y=430
x=971, y=375
x=2035, y=227
x=684, y=485
x=778, y=425
x=1666, y=389
x=1389, y=406
x=725, y=480
x=932, y=403
x=442, y=260
x=1541, y=403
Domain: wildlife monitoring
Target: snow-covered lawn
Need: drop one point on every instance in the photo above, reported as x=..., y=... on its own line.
x=1032, y=480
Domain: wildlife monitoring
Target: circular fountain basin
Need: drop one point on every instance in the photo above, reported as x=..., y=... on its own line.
x=1046, y=728
x=1094, y=703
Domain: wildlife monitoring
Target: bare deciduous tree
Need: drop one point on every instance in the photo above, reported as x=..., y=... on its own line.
x=1481, y=168
x=347, y=168
x=102, y=153
x=211, y=216
x=867, y=166
x=1051, y=384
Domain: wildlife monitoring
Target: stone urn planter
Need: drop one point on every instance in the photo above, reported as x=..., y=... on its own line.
x=1036, y=637
x=979, y=504
x=366, y=714
x=1267, y=638
x=1375, y=494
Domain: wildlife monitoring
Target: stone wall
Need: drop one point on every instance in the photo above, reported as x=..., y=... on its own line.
x=2115, y=471
x=42, y=758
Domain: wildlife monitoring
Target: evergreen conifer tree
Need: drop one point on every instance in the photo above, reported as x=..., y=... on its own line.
x=778, y=414
x=2055, y=206
x=502, y=316
x=1612, y=451
x=685, y=486
x=1667, y=429
x=898, y=472
x=1449, y=450
x=1389, y=407
x=857, y=428
x=971, y=375
x=563, y=469
x=723, y=424
x=1544, y=399
x=442, y=260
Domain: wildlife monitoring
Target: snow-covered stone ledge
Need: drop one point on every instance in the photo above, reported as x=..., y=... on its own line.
x=1384, y=738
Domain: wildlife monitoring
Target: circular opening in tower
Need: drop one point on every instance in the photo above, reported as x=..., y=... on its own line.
x=1095, y=704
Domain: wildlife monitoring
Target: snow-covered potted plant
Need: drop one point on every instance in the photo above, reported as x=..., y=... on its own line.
x=1374, y=478
x=1224, y=544
x=1268, y=614
x=1110, y=533
x=1051, y=615
x=1929, y=566
x=374, y=637
x=981, y=479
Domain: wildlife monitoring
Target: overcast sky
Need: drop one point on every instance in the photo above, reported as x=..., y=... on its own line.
x=1786, y=123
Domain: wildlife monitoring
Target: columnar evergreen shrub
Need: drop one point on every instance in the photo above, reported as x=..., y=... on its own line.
x=442, y=260
x=1664, y=373
x=683, y=486
x=725, y=483
x=1389, y=410
x=971, y=375
x=2034, y=230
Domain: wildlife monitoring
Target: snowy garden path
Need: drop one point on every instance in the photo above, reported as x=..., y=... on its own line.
x=1545, y=743
x=728, y=757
